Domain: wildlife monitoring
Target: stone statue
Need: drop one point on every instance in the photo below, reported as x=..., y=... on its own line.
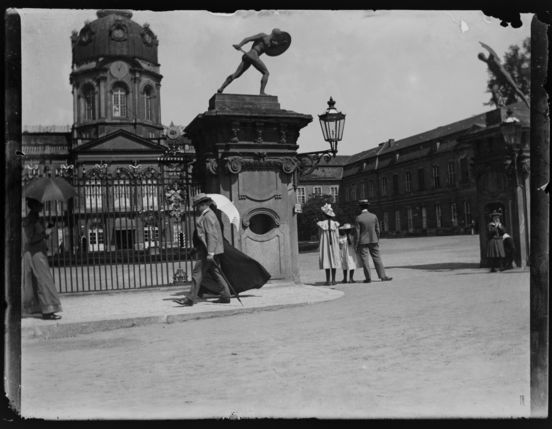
x=501, y=75
x=272, y=44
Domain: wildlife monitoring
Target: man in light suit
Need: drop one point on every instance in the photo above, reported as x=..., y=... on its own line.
x=368, y=232
x=208, y=240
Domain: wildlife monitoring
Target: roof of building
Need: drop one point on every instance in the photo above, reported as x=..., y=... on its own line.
x=114, y=34
x=482, y=120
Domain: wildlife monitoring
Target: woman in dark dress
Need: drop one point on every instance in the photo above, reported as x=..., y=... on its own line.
x=241, y=271
x=495, y=246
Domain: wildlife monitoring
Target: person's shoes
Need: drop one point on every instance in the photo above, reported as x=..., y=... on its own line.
x=222, y=300
x=352, y=281
x=334, y=283
x=387, y=279
x=187, y=302
x=367, y=281
x=51, y=316
x=344, y=281
x=493, y=270
x=327, y=284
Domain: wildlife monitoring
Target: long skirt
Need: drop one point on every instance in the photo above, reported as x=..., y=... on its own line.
x=39, y=294
x=495, y=248
x=241, y=271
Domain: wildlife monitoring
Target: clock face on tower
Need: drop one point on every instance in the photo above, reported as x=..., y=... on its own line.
x=119, y=69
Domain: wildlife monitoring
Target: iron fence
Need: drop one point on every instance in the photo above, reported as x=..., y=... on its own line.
x=126, y=229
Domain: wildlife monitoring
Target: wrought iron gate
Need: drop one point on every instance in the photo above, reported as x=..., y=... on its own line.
x=126, y=229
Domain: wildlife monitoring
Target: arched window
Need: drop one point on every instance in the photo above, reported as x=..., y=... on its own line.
x=148, y=96
x=119, y=102
x=89, y=98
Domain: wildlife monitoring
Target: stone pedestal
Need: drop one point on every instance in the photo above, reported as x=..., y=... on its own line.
x=246, y=147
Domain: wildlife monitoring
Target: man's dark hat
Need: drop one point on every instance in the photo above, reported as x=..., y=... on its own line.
x=199, y=198
x=363, y=202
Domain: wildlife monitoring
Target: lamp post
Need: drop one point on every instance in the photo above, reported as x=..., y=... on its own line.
x=332, y=123
x=516, y=165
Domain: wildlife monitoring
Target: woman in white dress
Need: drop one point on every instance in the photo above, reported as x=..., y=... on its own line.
x=347, y=245
x=329, y=258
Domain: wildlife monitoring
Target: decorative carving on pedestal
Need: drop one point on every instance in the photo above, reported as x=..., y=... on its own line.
x=259, y=130
x=283, y=130
x=212, y=165
x=233, y=164
x=235, y=130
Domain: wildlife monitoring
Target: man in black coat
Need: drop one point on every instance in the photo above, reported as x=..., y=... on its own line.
x=368, y=232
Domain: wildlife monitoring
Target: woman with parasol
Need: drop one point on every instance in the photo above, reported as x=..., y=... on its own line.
x=39, y=294
x=39, y=291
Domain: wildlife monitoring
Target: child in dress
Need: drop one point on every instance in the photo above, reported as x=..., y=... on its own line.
x=329, y=258
x=347, y=245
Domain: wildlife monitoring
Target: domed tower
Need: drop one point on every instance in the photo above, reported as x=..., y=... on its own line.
x=115, y=78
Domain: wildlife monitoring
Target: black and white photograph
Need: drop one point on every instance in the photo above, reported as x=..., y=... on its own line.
x=276, y=213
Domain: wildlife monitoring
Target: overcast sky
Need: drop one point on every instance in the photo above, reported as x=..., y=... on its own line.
x=393, y=73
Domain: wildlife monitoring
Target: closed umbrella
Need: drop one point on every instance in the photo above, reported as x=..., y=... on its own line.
x=228, y=208
x=49, y=189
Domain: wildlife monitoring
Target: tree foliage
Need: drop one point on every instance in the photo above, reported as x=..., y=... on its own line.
x=517, y=62
x=312, y=213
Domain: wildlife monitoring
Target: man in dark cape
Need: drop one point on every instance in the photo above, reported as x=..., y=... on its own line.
x=241, y=271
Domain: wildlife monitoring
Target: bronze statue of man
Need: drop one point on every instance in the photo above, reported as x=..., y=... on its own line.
x=272, y=44
x=501, y=74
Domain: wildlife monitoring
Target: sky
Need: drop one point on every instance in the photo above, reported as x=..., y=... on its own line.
x=394, y=73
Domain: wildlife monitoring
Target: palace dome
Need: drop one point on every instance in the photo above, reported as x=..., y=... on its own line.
x=114, y=34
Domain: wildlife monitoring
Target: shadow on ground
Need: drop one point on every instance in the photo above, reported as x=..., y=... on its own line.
x=445, y=266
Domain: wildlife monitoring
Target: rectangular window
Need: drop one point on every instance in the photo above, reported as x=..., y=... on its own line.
x=317, y=190
x=147, y=107
x=121, y=195
x=436, y=181
x=395, y=184
x=371, y=189
x=149, y=195
x=451, y=173
x=93, y=194
x=408, y=182
x=362, y=191
x=95, y=239
x=438, y=219
x=464, y=170
x=453, y=214
x=384, y=186
x=409, y=219
x=397, y=220
x=89, y=105
x=301, y=196
x=334, y=191
x=385, y=221
x=467, y=213
x=151, y=236
x=424, y=218
x=119, y=103
x=421, y=179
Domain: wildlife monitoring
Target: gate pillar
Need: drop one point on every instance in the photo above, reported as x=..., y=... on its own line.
x=246, y=148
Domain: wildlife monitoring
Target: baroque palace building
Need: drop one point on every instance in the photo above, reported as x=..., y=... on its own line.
x=117, y=153
x=443, y=181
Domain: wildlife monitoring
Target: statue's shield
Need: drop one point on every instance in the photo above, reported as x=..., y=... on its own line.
x=279, y=44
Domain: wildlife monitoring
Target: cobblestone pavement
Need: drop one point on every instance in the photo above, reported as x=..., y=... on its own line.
x=443, y=339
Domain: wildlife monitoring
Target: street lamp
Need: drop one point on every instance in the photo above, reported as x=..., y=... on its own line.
x=332, y=123
x=515, y=162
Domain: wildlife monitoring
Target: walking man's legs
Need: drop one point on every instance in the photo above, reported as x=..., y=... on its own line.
x=197, y=276
x=215, y=271
x=374, y=251
x=364, y=254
